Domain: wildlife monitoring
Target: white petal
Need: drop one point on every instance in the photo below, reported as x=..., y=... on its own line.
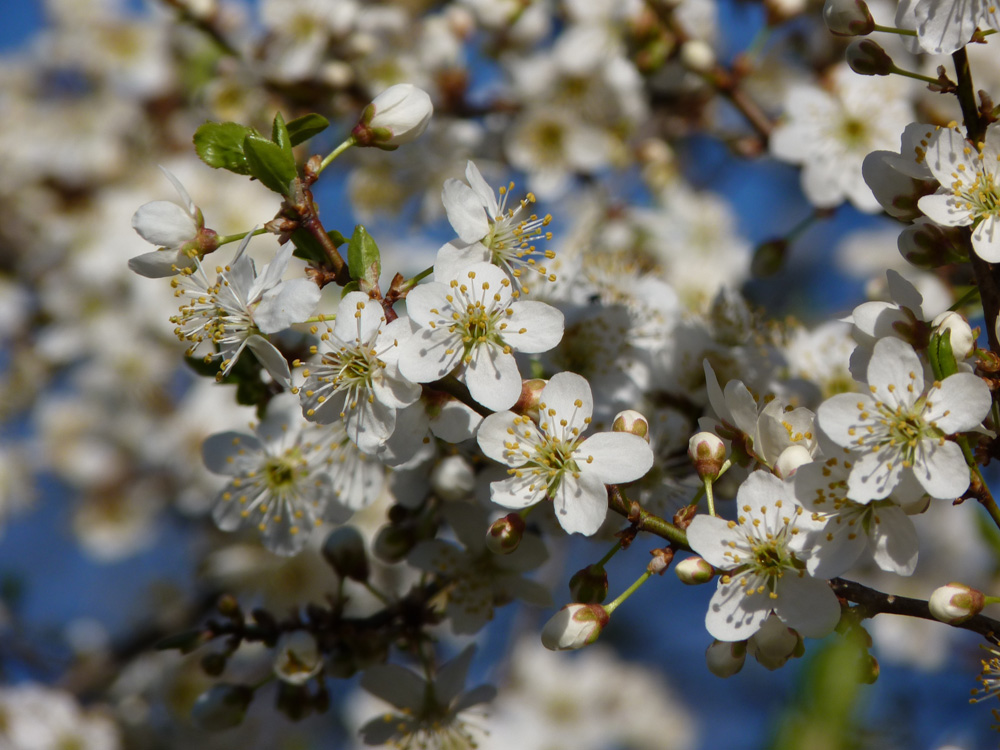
x=838, y=416
x=711, y=537
x=482, y=189
x=517, y=492
x=944, y=209
x=961, y=402
x=273, y=360
x=533, y=327
x=493, y=378
x=895, y=541
x=807, y=604
x=986, y=239
x=465, y=211
x=231, y=453
x=287, y=303
x=430, y=354
x=872, y=478
x=453, y=256
x=495, y=432
x=159, y=264
x=734, y=616
x=566, y=397
x=895, y=373
x=164, y=224
x=581, y=503
x=614, y=457
x=943, y=473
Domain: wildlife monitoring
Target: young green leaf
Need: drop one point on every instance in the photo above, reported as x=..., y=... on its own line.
x=280, y=135
x=269, y=163
x=220, y=145
x=301, y=129
x=363, y=260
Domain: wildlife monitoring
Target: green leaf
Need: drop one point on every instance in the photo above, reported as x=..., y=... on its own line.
x=279, y=134
x=301, y=129
x=941, y=355
x=269, y=163
x=363, y=260
x=337, y=237
x=220, y=145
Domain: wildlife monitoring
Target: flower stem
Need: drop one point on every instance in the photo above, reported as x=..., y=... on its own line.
x=611, y=553
x=334, y=154
x=915, y=76
x=709, y=496
x=226, y=239
x=894, y=30
x=627, y=592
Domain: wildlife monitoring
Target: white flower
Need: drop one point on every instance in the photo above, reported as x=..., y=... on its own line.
x=553, y=460
x=762, y=555
x=357, y=378
x=945, y=25
x=173, y=229
x=279, y=484
x=490, y=231
x=850, y=528
x=830, y=133
x=429, y=712
x=899, y=431
x=471, y=320
x=239, y=305
x=970, y=187
x=396, y=116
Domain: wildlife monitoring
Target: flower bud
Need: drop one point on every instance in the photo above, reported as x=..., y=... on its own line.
x=222, y=706
x=453, y=478
x=791, y=459
x=504, y=536
x=396, y=116
x=527, y=404
x=574, y=626
x=589, y=585
x=775, y=643
x=697, y=55
x=708, y=453
x=633, y=422
x=962, y=340
x=867, y=58
x=662, y=558
x=344, y=550
x=956, y=603
x=297, y=659
x=694, y=570
x=726, y=658
x=848, y=17
x=769, y=257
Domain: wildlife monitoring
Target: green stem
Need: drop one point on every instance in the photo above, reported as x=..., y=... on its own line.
x=915, y=76
x=611, y=553
x=609, y=608
x=334, y=154
x=226, y=239
x=894, y=30
x=709, y=496
x=410, y=283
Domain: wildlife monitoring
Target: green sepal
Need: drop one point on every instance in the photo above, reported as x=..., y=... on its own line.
x=280, y=135
x=308, y=248
x=220, y=145
x=301, y=129
x=269, y=163
x=363, y=259
x=941, y=355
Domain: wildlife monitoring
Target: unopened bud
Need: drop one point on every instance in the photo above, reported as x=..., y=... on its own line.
x=791, y=459
x=867, y=58
x=574, y=626
x=453, y=478
x=589, y=585
x=956, y=603
x=775, y=643
x=504, y=536
x=344, y=550
x=297, y=659
x=697, y=55
x=708, y=453
x=725, y=658
x=631, y=421
x=694, y=570
x=527, y=403
x=222, y=706
x=962, y=340
x=848, y=17
x=769, y=257
x=396, y=116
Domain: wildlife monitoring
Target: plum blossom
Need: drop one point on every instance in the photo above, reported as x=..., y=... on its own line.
x=762, y=554
x=357, y=377
x=233, y=311
x=552, y=459
x=279, y=483
x=177, y=230
x=490, y=231
x=970, y=187
x=470, y=320
x=945, y=25
x=898, y=431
